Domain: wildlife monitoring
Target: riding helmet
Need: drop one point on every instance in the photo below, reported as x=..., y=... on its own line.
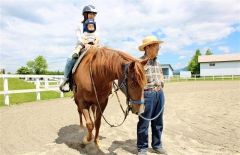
x=89, y=8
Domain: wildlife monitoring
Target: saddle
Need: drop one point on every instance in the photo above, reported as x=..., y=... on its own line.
x=79, y=59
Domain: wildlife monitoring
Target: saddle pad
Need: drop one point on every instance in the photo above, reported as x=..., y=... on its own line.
x=79, y=60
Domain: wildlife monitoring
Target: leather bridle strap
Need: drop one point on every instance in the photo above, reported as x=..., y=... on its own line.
x=95, y=91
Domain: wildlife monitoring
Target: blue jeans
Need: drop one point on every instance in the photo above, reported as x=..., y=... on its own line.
x=154, y=101
x=68, y=67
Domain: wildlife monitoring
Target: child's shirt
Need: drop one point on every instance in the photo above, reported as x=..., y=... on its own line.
x=87, y=38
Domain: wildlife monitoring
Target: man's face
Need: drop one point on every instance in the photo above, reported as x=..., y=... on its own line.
x=152, y=50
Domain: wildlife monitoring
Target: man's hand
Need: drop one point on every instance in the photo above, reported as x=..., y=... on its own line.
x=162, y=84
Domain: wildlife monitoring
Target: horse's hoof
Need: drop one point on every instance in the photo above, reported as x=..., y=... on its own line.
x=97, y=144
x=81, y=128
x=85, y=140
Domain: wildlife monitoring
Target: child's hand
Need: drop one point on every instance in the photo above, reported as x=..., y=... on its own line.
x=87, y=46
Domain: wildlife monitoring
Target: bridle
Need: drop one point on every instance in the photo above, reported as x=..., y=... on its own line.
x=123, y=86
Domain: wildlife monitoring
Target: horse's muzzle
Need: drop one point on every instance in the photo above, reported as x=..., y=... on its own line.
x=138, y=110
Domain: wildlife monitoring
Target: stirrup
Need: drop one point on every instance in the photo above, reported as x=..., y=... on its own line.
x=61, y=87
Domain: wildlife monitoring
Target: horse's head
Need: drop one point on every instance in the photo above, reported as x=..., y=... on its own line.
x=133, y=85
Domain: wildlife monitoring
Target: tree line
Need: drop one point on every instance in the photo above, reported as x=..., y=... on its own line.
x=37, y=66
x=194, y=65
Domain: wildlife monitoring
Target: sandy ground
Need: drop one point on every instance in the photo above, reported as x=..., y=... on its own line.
x=200, y=118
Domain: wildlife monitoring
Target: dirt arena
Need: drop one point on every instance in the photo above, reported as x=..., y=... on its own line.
x=200, y=118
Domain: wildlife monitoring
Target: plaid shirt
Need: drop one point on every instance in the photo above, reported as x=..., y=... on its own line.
x=154, y=74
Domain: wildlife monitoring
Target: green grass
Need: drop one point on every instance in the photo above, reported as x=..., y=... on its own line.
x=16, y=84
x=49, y=83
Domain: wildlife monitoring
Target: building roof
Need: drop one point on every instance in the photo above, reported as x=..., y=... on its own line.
x=219, y=58
x=166, y=65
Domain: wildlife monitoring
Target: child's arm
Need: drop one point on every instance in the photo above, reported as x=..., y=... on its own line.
x=97, y=42
x=80, y=42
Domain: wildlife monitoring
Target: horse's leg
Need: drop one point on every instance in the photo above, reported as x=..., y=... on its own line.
x=98, y=121
x=80, y=117
x=93, y=107
x=79, y=110
x=89, y=125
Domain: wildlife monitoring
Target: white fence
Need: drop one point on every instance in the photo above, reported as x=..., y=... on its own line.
x=37, y=79
x=197, y=77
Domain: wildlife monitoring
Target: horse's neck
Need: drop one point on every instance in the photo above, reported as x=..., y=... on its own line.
x=112, y=68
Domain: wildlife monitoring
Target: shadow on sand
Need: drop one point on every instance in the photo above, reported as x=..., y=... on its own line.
x=127, y=145
x=72, y=136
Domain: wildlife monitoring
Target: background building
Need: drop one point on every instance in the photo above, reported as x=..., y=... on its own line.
x=167, y=70
x=218, y=65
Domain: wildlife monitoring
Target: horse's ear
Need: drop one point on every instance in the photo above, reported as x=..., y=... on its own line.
x=144, y=61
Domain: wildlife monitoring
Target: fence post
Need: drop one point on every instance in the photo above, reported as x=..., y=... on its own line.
x=46, y=82
x=213, y=77
x=6, y=95
x=61, y=93
x=37, y=89
x=232, y=77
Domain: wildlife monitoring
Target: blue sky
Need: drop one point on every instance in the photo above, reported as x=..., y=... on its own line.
x=42, y=27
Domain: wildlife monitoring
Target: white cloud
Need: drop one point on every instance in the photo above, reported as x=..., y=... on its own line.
x=179, y=65
x=47, y=27
x=181, y=57
x=224, y=49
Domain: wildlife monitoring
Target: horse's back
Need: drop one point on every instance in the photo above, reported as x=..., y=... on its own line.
x=81, y=76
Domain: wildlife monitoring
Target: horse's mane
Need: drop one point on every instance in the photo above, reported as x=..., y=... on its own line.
x=109, y=56
x=139, y=76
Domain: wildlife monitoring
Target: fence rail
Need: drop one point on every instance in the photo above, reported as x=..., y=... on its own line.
x=197, y=77
x=57, y=79
x=37, y=79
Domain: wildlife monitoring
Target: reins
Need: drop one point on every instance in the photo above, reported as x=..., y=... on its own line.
x=150, y=119
x=115, y=86
x=95, y=91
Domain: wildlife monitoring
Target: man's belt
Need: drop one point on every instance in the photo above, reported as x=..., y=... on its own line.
x=153, y=89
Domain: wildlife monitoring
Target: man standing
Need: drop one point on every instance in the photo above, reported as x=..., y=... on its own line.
x=154, y=99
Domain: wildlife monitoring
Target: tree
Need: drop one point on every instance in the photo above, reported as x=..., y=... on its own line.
x=30, y=66
x=208, y=52
x=38, y=66
x=54, y=73
x=193, y=65
x=23, y=70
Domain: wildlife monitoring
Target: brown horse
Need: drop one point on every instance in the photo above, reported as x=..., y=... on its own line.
x=98, y=69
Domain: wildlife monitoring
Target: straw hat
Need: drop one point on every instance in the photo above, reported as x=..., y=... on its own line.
x=148, y=41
